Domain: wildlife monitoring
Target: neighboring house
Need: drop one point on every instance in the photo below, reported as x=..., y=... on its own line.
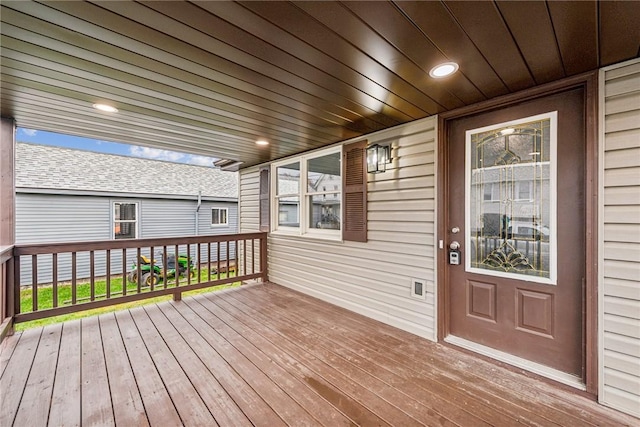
x=65, y=195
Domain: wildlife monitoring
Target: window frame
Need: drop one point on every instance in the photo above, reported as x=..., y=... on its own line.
x=115, y=221
x=226, y=217
x=304, y=229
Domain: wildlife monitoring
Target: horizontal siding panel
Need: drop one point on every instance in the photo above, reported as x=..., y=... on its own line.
x=629, y=158
x=402, y=205
x=626, y=70
x=405, y=194
x=624, y=102
x=629, y=289
x=411, y=237
x=622, y=251
x=623, y=140
x=622, y=196
x=419, y=147
x=405, y=226
x=621, y=85
x=622, y=214
x=622, y=270
x=621, y=307
x=400, y=185
x=621, y=122
x=629, y=233
x=629, y=176
x=621, y=400
x=623, y=326
x=622, y=381
x=622, y=344
x=622, y=362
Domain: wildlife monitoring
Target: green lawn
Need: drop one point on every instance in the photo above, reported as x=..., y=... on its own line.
x=83, y=294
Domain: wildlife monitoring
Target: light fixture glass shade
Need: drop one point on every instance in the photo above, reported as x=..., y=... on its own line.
x=377, y=158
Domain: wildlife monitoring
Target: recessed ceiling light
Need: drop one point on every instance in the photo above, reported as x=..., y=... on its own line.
x=443, y=70
x=105, y=107
x=262, y=142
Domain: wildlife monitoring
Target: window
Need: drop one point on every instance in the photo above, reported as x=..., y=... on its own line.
x=125, y=220
x=305, y=194
x=219, y=217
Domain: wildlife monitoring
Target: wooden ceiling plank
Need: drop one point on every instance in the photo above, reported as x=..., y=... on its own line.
x=240, y=16
x=245, y=41
x=316, y=35
x=576, y=28
x=539, y=47
x=483, y=24
x=194, y=70
x=230, y=60
x=416, y=53
x=366, y=27
x=619, y=31
x=18, y=76
x=437, y=25
x=136, y=84
x=146, y=41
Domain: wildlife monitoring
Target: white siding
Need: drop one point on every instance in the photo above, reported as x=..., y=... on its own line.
x=372, y=278
x=620, y=238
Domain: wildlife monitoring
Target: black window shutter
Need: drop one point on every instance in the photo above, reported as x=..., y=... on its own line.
x=264, y=200
x=354, y=205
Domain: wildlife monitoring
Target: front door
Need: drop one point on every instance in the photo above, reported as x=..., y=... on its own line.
x=516, y=226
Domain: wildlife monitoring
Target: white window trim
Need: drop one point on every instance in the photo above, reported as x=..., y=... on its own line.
x=114, y=220
x=303, y=229
x=225, y=224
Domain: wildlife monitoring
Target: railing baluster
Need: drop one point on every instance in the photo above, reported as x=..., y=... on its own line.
x=153, y=273
x=253, y=256
x=244, y=256
x=199, y=262
x=92, y=274
x=164, y=266
x=74, y=291
x=228, y=256
x=108, y=267
x=139, y=268
x=54, y=289
x=188, y=270
x=34, y=282
x=209, y=262
x=124, y=272
x=14, y=294
x=218, y=261
x=177, y=295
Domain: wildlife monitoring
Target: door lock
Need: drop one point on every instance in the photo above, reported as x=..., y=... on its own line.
x=454, y=253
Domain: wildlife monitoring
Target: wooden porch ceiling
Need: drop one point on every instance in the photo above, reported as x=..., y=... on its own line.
x=211, y=77
x=264, y=356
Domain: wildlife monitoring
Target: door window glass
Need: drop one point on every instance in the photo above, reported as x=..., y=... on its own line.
x=510, y=213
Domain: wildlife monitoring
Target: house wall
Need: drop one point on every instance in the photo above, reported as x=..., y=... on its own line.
x=619, y=227
x=372, y=278
x=49, y=218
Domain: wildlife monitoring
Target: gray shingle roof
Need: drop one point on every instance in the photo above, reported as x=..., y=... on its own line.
x=56, y=168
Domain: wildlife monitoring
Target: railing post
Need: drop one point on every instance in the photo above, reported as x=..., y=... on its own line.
x=263, y=258
x=177, y=296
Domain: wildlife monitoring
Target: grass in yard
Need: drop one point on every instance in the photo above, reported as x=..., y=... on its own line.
x=83, y=294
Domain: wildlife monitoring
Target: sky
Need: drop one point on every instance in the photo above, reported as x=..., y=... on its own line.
x=78, y=143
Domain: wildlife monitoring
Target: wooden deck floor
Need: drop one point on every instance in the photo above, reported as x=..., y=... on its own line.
x=264, y=356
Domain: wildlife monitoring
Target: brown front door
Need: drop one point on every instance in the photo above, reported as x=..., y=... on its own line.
x=516, y=206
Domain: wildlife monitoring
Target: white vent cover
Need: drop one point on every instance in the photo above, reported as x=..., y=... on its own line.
x=419, y=288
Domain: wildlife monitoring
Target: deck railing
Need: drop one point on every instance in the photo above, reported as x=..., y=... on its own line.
x=55, y=279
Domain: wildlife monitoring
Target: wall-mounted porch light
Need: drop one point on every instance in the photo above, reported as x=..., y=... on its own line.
x=377, y=158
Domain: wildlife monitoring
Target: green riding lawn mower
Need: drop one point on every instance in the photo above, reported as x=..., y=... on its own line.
x=182, y=267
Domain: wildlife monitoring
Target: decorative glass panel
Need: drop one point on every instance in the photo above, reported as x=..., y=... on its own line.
x=511, y=199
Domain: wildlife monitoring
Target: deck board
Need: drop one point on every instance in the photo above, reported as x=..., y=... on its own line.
x=266, y=356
